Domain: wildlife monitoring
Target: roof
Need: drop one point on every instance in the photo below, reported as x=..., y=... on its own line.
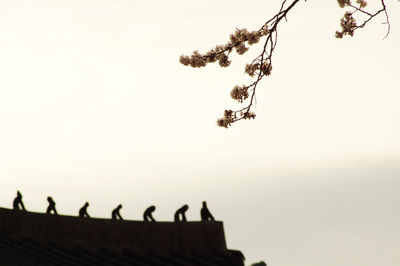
x=38, y=239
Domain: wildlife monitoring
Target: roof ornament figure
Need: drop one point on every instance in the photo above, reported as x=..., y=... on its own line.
x=205, y=213
x=180, y=214
x=83, y=211
x=115, y=213
x=148, y=214
x=52, y=206
x=18, y=205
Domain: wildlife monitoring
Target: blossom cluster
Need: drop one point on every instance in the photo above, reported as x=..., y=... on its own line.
x=248, y=115
x=232, y=116
x=265, y=68
x=240, y=93
x=362, y=3
x=251, y=69
x=343, y=3
x=220, y=53
x=348, y=24
x=227, y=120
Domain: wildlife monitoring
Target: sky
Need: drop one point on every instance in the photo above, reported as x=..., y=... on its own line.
x=95, y=106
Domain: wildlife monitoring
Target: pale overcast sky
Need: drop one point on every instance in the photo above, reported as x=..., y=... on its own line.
x=94, y=106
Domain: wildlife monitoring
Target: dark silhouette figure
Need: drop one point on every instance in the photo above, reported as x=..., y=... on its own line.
x=115, y=213
x=181, y=213
x=52, y=206
x=205, y=213
x=83, y=211
x=147, y=215
x=17, y=203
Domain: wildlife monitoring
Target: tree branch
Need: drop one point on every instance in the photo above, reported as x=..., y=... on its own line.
x=261, y=66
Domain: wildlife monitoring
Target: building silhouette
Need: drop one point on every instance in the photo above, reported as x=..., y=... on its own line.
x=28, y=238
